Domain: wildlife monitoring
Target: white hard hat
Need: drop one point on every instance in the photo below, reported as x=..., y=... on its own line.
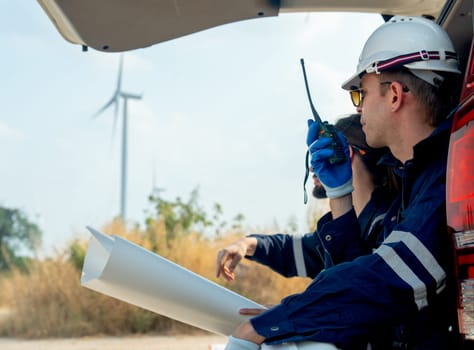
x=416, y=43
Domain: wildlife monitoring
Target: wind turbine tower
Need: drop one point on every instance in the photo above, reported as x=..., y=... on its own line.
x=114, y=100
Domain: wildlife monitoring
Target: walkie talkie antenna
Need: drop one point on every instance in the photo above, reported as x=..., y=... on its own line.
x=318, y=119
x=326, y=130
x=315, y=113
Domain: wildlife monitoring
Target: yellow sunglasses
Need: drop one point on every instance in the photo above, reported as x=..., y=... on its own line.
x=356, y=97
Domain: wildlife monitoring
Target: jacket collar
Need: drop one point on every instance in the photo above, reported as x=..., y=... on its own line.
x=427, y=149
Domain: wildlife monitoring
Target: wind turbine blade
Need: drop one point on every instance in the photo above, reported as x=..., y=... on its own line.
x=133, y=96
x=114, y=126
x=116, y=107
x=119, y=79
x=107, y=105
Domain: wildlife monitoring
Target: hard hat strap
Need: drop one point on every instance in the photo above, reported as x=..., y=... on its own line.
x=402, y=60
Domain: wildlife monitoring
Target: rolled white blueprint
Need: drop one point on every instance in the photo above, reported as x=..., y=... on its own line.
x=123, y=270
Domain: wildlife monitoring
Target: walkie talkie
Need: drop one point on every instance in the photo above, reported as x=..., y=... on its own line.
x=327, y=130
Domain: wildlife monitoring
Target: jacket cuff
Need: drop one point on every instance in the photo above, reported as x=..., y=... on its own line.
x=339, y=191
x=273, y=323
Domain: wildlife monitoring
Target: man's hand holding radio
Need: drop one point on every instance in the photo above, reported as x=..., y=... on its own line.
x=336, y=178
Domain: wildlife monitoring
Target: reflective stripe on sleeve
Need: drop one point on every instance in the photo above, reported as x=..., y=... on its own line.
x=390, y=256
x=422, y=253
x=299, y=258
x=403, y=271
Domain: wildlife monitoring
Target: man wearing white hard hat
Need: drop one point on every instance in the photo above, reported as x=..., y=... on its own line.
x=402, y=296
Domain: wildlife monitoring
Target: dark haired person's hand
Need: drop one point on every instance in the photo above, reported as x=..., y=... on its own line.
x=336, y=178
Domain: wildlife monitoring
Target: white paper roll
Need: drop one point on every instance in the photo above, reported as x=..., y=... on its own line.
x=126, y=271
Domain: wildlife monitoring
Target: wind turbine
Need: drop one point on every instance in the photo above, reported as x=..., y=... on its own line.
x=114, y=100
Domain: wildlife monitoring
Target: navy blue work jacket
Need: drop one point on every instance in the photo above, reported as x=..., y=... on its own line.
x=307, y=255
x=407, y=280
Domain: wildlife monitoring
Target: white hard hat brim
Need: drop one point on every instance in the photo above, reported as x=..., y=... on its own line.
x=353, y=83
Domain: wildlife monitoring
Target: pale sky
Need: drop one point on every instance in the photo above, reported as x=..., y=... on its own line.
x=224, y=110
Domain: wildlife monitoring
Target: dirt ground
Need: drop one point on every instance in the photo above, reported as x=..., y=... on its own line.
x=201, y=342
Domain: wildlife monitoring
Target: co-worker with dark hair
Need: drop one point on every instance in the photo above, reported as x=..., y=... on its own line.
x=305, y=256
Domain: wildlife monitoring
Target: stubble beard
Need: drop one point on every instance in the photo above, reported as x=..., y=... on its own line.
x=319, y=192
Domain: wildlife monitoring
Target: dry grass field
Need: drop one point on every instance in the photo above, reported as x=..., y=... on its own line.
x=47, y=308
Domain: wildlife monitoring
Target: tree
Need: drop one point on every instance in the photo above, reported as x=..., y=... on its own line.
x=181, y=217
x=18, y=236
x=178, y=216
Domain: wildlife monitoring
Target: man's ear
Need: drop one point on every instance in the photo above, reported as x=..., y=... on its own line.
x=396, y=93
